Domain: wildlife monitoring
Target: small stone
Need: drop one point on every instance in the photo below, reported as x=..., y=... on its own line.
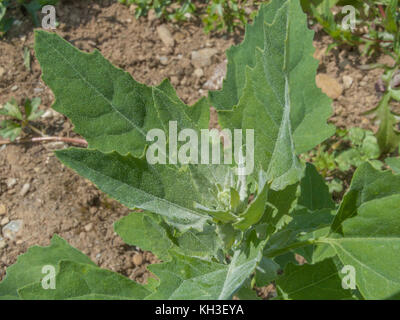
x=2, y=209
x=25, y=189
x=347, y=82
x=163, y=60
x=11, y=182
x=137, y=259
x=2, y=71
x=14, y=88
x=11, y=229
x=48, y=114
x=330, y=86
x=202, y=57
x=4, y=221
x=165, y=36
x=199, y=72
x=19, y=242
x=89, y=227
x=38, y=90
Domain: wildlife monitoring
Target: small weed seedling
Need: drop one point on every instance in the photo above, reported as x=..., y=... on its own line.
x=18, y=118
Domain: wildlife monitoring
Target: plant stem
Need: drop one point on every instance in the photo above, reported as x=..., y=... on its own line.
x=382, y=11
x=78, y=141
x=34, y=129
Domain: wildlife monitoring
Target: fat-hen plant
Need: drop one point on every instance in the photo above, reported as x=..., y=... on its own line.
x=218, y=234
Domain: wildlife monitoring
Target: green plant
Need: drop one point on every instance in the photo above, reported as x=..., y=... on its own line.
x=171, y=10
x=381, y=20
x=217, y=15
x=16, y=121
x=339, y=157
x=224, y=15
x=218, y=233
x=375, y=27
x=31, y=6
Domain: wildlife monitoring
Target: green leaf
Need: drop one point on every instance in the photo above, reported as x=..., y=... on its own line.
x=266, y=271
x=142, y=229
x=370, y=243
x=305, y=225
x=10, y=129
x=110, y=109
x=266, y=90
x=388, y=138
x=192, y=278
x=28, y=268
x=77, y=281
x=204, y=244
x=367, y=184
x=161, y=189
x=314, y=191
x=320, y=281
x=31, y=109
x=394, y=164
x=12, y=109
x=256, y=209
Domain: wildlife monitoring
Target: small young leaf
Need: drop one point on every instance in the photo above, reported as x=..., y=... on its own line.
x=142, y=229
x=314, y=191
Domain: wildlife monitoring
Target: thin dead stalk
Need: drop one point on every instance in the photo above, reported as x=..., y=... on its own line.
x=76, y=141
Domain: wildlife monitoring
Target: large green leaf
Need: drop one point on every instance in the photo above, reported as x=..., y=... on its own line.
x=371, y=244
x=177, y=193
x=320, y=281
x=107, y=106
x=267, y=90
x=77, y=281
x=28, y=268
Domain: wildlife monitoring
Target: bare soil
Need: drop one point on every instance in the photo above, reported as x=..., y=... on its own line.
x=58, y=200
